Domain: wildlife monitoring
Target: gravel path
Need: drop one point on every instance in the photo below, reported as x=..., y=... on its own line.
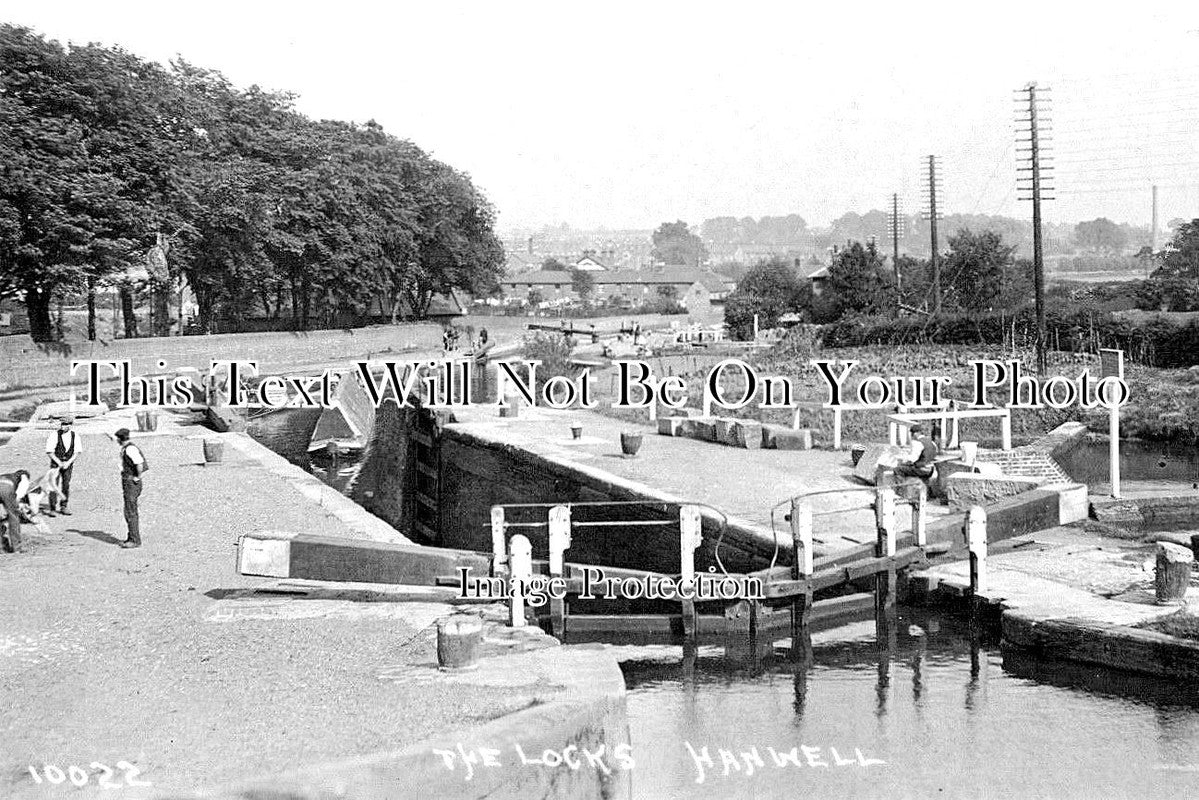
x=105, y=654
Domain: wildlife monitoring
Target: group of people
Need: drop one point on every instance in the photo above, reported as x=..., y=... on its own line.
x=23, y=498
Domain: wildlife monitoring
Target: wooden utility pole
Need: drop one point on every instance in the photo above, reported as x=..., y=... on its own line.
x=895, y=223
x=1030, y=155
x=931, y=214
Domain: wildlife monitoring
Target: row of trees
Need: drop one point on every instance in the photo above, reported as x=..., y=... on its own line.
x=265, y=212
x=978, y=274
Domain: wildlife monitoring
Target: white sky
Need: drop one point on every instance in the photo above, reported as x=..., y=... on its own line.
x=627, y=114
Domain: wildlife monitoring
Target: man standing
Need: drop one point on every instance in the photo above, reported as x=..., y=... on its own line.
x=12, y=488
x=63, y=448
x=133, y=464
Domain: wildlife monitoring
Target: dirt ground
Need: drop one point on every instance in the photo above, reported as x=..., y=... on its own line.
x=106, y=655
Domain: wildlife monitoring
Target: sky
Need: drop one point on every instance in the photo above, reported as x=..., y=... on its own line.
x=627, y=114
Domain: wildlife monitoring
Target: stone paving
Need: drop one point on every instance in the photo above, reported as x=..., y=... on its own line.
x=163, y=657
x=744, y=484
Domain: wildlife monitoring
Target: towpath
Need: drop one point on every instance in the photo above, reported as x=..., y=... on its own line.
x=163, y=658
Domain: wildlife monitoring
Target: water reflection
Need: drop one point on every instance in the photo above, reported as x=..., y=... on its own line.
x=978, y=722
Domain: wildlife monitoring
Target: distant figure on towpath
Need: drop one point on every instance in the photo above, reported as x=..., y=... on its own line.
x=62, y=447
x=133, y=466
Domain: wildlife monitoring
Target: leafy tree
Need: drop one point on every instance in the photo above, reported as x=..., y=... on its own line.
x=535, y=298
x=668, y=291
x=583, y=284
x=1175, y=284
x=1101, y=236
x=770, y=289
x=859, y=281
x=552, y=264
x=674, y=243
x=974, y=271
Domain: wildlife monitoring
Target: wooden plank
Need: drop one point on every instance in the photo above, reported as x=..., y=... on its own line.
x=425, y=530
x=426, y=470
x=422, y=438
x=425, y=500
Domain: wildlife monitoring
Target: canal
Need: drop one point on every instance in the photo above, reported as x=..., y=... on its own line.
x=945, y=712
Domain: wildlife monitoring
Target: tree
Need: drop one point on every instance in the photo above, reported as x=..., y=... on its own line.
x=770, y=289
x=1175, y=283
x=974, y=270
x=675, y=244
x=552, y=264
x=583, y=284
x=859, y=281
x=535, y=298
x=1101, y=236
x=668, y=291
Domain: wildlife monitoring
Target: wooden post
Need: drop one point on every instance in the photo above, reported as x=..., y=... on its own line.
x=884, y=580
x=884, y=511
x=976, y=537
x=944, y=427
x=801, y=536
x=1006, y=428
x=920, y=516
x=690, y=538
x=1173, y=573
x=801, y=539
x=836, y=429
x=893, y=433
x=957, y=425
x=499, y=548
x=559, y=526
x=521, y=561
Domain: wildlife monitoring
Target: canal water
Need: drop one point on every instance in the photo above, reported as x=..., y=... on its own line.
x=933, y=711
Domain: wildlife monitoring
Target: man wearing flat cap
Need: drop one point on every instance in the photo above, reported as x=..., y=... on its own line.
x=923, y=456
x=133, y=464
x=62, y=447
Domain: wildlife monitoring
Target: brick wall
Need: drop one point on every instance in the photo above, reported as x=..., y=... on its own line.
x=1038, y=459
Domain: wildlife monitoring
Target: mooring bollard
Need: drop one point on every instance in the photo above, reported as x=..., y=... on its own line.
x=690, y=538
x=1172, y=575
x=458, y=641
x=521, y=563
x=559, y=525
x=976, y=537
x=499, y=549
x=920, y=516
x=801, y=536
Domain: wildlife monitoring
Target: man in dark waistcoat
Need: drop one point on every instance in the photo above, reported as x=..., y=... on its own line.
x=63, y=448
x=133, y=464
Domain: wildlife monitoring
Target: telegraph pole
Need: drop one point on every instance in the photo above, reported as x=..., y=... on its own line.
x=1029, y=156
x=1153, y=229
x=931, y=215
x=895, y=223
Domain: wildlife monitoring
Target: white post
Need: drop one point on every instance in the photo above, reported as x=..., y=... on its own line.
x=801, y=528
x=885, y=512
x=707, y=402
x=521, y=554
x=499, y=549
x=836, y=429
x=957, y=426
x=653, y=399
x=920, y=517
x=976, y=536
x=1113, y=448
x=893, y=433
x=559, y=538
x=1006, y=422
x=690, y=538
x=795, y=420
x=755, y=327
